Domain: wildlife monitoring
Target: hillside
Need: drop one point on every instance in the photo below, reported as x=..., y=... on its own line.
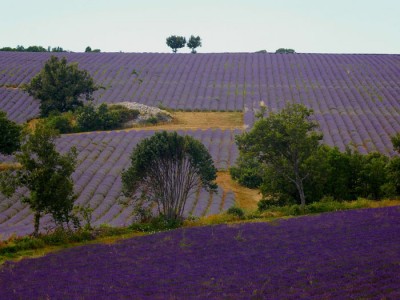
x=102, y=156
x=355, y=98
x=353, y=255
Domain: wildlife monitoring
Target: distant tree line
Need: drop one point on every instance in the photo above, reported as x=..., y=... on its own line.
x=20, y=48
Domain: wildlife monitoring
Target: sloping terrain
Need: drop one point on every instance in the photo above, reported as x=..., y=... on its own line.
x=102, y=156
x=355, y=98
x=342, y=255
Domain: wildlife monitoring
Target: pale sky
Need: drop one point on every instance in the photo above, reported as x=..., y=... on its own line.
x=308, y=26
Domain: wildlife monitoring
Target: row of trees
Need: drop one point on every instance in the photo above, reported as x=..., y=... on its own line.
x=282, y=155
x=176, y=42
x=20, y=48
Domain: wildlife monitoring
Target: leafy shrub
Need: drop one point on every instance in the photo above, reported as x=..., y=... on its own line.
x=236, y=211
x=158, y=223
x=62, y=122
x=123, y=113
x=90, y=118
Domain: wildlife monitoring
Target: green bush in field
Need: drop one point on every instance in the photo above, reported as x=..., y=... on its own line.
x=236, y=211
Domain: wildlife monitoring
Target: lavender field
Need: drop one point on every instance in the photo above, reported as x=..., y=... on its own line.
x=355, y=97
x=342, y=255
x=102, y=156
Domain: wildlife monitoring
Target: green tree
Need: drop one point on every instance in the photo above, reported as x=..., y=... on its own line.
x=176, y=42
x=165, y=169
x=46, y=174
x=59, y=86
x=194, y=42
x=9, y=135
x=283, y=142
x=35, y=49
x=285, y=51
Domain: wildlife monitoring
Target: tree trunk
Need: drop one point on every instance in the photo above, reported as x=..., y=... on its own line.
x=37, y=223
x=300, y=189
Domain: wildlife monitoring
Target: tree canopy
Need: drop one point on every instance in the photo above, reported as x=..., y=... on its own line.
x=89, y=49
x=165, y=169
x=21, y=48
x=9, y=135
x=45, y=173
x=59, y=86
x=176, y=42
x=285, y=51
x=194, y=42
x=282, y=143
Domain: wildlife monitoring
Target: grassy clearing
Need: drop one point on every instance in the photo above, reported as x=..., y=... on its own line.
x=191, y=121
x=200, y=120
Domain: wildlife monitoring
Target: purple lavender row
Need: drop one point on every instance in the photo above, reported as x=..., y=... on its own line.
x=329, y=256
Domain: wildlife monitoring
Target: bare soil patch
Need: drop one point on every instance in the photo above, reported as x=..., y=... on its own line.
x=199, y=120
x=245, y=198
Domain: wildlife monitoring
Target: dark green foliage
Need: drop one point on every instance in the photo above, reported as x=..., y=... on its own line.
x=176, y=42
x=235, y=211
x=247, y=172
x=20, y=48
x=90, y=118
x=57, y=49
x=373, y=176
x=9, y=135
x=193, y=43
x=285, y=51
x=123, y=114
x=87, y=118
x=159, y=223
x=89, y=49
x=62, y=122
x=46, y=174
x=282, y=143
x=59, y=86
x=165, y=169
x=392, y=187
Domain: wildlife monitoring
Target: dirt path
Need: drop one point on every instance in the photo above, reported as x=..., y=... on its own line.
x=244, y=197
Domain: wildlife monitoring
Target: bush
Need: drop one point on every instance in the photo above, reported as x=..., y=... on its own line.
x=90, y=118
x=158, y=223
x=62, y=122
x=236, y=211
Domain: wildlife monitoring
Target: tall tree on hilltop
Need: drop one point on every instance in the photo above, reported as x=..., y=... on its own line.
x=193, y=43
x=176, y=42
